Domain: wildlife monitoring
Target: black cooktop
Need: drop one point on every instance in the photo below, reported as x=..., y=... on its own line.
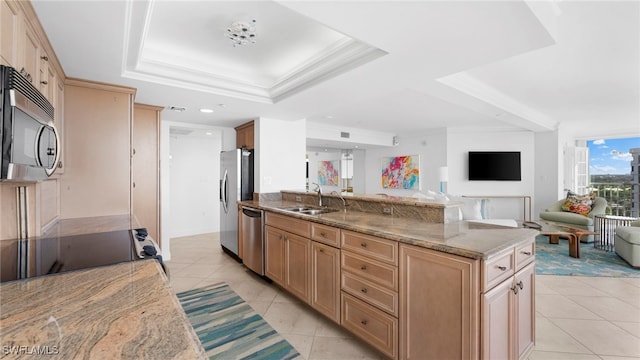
x=49, y=255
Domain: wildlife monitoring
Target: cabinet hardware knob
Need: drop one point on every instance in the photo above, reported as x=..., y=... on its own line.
x=364, y=290
x=364, y=245
x=133, y=151
x=502, y=268
x=280, y=237
x=520, y=284
x=59, y=164
x=527, y=253
x=44, y=57
x=323, y=234
x=44, y=82
x=515, y=290
x=134, y=184
x=322, y=251
x=363, y=267
x=364, y=322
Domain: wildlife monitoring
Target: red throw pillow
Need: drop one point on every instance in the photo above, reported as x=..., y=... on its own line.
x=579, y=204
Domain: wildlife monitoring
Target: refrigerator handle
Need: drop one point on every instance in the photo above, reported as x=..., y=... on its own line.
x=224, y=192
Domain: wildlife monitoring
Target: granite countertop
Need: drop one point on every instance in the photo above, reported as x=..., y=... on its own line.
x=464, y=238
x=125, y=310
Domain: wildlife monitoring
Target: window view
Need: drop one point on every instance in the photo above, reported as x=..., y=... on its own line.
x=614, y=167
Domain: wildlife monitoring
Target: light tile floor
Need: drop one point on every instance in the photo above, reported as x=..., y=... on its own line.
x=576, y=317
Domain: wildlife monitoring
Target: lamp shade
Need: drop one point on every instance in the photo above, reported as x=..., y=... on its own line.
x=443, y=173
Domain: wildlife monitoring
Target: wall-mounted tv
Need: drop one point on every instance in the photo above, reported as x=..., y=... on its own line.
x=494, y=165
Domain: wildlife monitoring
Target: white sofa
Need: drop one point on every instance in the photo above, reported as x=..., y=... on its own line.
x=627, y=243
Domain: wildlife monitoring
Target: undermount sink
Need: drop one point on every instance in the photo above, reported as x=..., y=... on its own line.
x=309, y=210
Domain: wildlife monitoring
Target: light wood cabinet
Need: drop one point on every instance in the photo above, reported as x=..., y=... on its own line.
x=376, y=327
x=369, y=283
x=298, y=262
x=508, y=329
x=245, y=135
x=439, y=305
x=29, y=61
x=97, y=129
x=274, y=255
x=288, y=254
x=145, y=168
x=325, y=280
x=10, y=18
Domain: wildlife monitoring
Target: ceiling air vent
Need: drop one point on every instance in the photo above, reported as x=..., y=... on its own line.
x=177, y=108
x=344, y=135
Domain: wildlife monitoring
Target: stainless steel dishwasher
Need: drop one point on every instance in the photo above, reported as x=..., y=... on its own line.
x=252, y=240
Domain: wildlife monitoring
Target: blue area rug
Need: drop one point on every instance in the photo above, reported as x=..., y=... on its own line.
x=229, y=328
x=555, y=260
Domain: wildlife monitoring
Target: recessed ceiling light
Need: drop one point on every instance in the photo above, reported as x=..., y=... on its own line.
x=206, y=110
x=208, y=133
x=329, y=116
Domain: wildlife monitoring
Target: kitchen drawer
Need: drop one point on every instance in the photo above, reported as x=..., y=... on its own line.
x=525, y=254
x=288, y=223
x=376, y=327
x=371, y=270
x=384, y=299
x=370, y=246
x=498, y=269
x=325, y=234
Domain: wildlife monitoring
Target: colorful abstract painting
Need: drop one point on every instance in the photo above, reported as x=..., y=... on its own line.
x=328, y=173
x=401, y=172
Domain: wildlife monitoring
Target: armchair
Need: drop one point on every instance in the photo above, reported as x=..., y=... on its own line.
x=627, y=243
x=556, y=214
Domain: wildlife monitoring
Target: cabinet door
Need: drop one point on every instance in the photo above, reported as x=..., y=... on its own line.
x=9, y=30
x=325, y=280
x=274, y=247
x=525, y=310
x=439, y=305
x=145, y=168
x=30, y=54
x=298, y=272
x=498, y=321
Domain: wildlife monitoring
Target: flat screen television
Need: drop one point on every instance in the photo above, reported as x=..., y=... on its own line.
x=494, y=165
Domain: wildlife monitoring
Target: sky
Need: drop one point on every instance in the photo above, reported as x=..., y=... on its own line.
x=611, y=156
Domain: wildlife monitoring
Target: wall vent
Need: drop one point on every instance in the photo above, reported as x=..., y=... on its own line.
x=344, y=135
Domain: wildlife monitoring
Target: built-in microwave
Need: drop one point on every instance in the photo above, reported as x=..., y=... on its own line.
x=30, y=142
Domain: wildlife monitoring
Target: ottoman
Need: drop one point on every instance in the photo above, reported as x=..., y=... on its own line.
x=627, y=243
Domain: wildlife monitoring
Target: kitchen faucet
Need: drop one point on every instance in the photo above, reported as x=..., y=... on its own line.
x=344, y=202
x=319, y=190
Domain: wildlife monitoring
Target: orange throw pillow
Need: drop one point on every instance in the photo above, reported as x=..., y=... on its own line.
x=579, y=204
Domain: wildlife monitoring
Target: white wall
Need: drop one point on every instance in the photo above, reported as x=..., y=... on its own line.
x=195, y=171
x=171, y=228
x=280, y=157
x=460, y=142
x=317, y=155
x=433, y=153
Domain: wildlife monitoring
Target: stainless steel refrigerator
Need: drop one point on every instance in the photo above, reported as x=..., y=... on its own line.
x=236, y=184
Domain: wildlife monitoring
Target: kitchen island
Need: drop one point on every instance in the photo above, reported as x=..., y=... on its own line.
x=406, y=282
x=125, y=310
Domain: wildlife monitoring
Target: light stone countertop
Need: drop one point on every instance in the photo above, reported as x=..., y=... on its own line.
x=125, y=310
x=464, y=238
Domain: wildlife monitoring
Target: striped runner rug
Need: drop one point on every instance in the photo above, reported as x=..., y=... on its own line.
x=229, y=328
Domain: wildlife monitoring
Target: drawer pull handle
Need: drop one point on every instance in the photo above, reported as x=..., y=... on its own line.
x=364, y=290
x=323, y=234
x=363, y=267
x=527, y=253
x=363, y=322
x=502, y=268
x=520, y=284
x=364, y=245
